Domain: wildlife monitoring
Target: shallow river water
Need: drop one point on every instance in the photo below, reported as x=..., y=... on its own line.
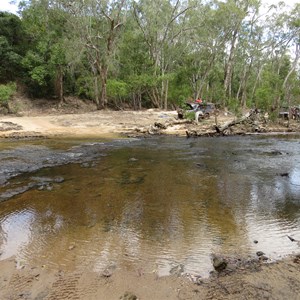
x=154, y=204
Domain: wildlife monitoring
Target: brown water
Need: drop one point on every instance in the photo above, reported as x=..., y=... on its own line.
x=155, y=204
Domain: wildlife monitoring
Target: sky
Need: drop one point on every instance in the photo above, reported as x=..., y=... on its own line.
x=6, y=6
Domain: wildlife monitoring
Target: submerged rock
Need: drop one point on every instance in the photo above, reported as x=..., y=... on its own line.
x=31, y=158
x=263, y=258
x=177, y=270
x=16, y=191
x=41, y=183
x=260, y=253
x=219, y=263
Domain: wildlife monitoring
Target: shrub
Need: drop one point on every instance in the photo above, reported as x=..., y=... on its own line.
x=189, y=115
x=6, y=92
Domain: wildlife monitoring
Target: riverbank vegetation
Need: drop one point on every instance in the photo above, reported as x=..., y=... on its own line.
x=160, y=53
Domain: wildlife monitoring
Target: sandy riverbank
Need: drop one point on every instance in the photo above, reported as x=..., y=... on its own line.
x=98, y=123
x=280, y=280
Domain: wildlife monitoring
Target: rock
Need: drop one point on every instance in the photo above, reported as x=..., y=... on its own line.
x=58, y=179
x=284, y=174
x=263, y=258
x=275, y=152
x=49, y=187
x=17, y=191
x=291, y=238
x=297, y=259
x=197, y=279
x=86, y=165
x=7, y=126
x=219, y=263
x=260, y=253
x=177, y=270
x=231, y=267
x=132, y=159
x=107, y=273
x=129, y=296
x=160, y=125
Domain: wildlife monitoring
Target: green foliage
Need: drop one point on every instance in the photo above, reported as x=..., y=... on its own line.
x=233, y=106
x=117, y=89
x=85, y=87
x=273, y=116
x=39, y=75
x=161, y=50
x=189, y=115
x=12, y=45
x=180, y=88
x=264, y=97
x=6, y=92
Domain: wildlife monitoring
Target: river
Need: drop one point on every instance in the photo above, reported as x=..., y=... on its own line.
x=153, y=204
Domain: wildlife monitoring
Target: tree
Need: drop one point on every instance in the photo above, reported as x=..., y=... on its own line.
x=97, y=24
x=45, y=61
x=12, y=41
x=162, y=24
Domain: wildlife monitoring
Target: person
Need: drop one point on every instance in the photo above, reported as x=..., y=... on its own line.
x=199, y=100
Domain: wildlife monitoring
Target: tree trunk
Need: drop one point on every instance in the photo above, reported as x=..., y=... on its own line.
x=166, y=95
x=294, y=65
x=241, y=84
x=244, y=84
x=229, y=65
x=258, y=77
x=103, y=74
x=96, y=91
x=59, y=84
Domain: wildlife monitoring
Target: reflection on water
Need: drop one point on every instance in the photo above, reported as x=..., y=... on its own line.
x=158, y=203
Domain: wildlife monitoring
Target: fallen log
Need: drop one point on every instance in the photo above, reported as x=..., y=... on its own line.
x=221, y=129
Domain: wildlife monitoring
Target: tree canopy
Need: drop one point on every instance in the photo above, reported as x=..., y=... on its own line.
x=160, y=53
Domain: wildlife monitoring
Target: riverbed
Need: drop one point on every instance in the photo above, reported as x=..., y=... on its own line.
x=161, y=205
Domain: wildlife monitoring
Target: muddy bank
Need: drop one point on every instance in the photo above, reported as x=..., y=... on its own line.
x=279, y=280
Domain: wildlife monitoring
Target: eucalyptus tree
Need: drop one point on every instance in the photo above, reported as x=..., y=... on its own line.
x=207, y=43
x=282, y=31
x=163, y=24
x=97, y=25
x=234, y=14
x=250, y=55
x=219, y=43
x=294, y=33
x=134, y=64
